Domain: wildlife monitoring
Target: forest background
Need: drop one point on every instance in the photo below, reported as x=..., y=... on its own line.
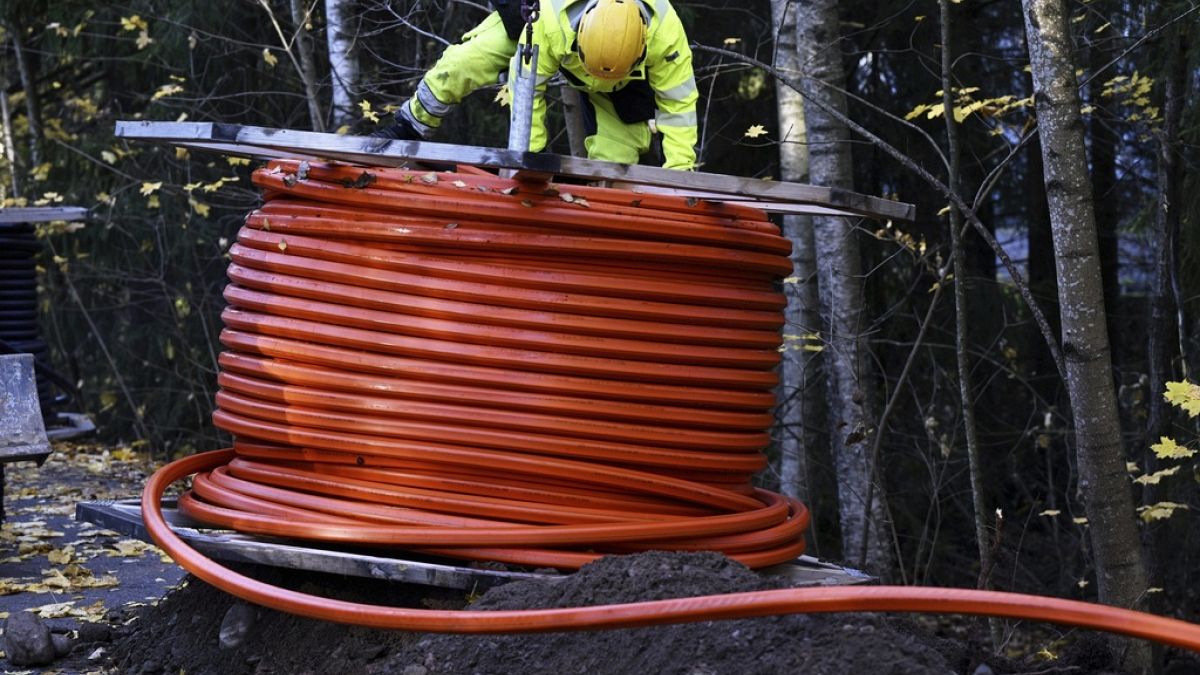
x=924, y=416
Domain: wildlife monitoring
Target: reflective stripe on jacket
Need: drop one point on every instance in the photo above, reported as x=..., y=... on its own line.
x=476, y=61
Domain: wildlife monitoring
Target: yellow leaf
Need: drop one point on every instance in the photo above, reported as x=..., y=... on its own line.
x=150, y=188
x=108, y=156
x=1167, y=448
x=367, y=113
x=61, y=556
x=283, y=245
x=166, y=90
x=503, y=96
x=1184, y=395
x=731, y=41
x=144, y=40
x=1047, y=654
x=269, y=57
x=756, y=131
x=40, y=172
x=1159, y=511
x=944, y=211
x=181, y=153
x=1050, y=512
x=1079, y=521
x=133, y=23
x=200, y=208
x=1157, y=476
x=238, y=161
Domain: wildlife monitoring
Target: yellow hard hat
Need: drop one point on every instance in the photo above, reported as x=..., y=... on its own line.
x=611, y=38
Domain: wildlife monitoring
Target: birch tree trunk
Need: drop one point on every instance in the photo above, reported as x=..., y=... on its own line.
x=1103, y=480
x=865, y=534
x=800, y=392
x=308, y=68
x=343, y=61
x=33, y=108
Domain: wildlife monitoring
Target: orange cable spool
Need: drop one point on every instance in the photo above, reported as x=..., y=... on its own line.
x=453, y=365
x=584, y=369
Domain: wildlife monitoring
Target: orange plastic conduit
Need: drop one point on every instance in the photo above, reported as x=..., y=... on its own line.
x=466, y=366
x=684, y=610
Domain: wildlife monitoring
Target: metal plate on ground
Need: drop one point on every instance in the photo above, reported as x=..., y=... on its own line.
x=267, y=143
x=125, y=516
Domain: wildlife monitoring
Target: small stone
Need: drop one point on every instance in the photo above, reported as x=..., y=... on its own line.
x=63, y=644
x=415, y=669
x=94, y=632
x=27, y=640
x=984, y=669
x=236, y=626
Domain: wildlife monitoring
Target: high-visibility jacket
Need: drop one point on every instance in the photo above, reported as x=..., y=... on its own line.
x=477, y=61
x=667, y=69
x=485, y=52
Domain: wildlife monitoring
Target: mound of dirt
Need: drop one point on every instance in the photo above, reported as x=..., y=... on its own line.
x=185, y=631
x=840, y=643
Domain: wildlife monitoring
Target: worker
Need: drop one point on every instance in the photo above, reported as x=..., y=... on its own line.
x=630, y=58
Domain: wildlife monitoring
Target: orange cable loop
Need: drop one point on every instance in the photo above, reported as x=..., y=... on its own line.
x=461, y=365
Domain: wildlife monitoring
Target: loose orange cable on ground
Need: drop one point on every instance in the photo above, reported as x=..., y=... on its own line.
x=466, y=366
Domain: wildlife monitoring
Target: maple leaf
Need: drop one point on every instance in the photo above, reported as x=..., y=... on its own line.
x=150, y=188
x=1167, y=448
x=1184, y=395
x=269, y=57
x=367, y=113
x=756, y=131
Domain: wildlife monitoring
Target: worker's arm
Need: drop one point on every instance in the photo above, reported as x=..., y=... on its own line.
x=475, y=62
x=546, y=35
x=669, y=70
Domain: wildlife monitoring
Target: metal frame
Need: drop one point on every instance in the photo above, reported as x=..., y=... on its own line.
x=266, y=143
x=125, y=516
x=22, y=432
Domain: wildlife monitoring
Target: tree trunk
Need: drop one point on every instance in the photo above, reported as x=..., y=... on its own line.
x=865, y=533
x=32, y=103
x=10, y=148
x=1104, y=180
x=962, y=334
x=798, y=392
x=1168, y=568
x=308, y=67
x=1103, y=480
x=343, y=62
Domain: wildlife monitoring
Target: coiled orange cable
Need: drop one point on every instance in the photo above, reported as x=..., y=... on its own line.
x=462, y=365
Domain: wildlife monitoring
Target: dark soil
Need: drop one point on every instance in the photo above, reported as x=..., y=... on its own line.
x=182, y=632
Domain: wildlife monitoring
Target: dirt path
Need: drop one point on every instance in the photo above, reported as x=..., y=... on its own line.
x=73, y=574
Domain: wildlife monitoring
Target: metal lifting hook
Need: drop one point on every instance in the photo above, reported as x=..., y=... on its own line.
x=529, y=12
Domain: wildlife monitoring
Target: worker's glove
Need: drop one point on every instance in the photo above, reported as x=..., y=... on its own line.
x=402, y=130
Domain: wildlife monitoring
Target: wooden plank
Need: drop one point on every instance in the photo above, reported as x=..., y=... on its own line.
x=42, y=214
x=383, y=152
